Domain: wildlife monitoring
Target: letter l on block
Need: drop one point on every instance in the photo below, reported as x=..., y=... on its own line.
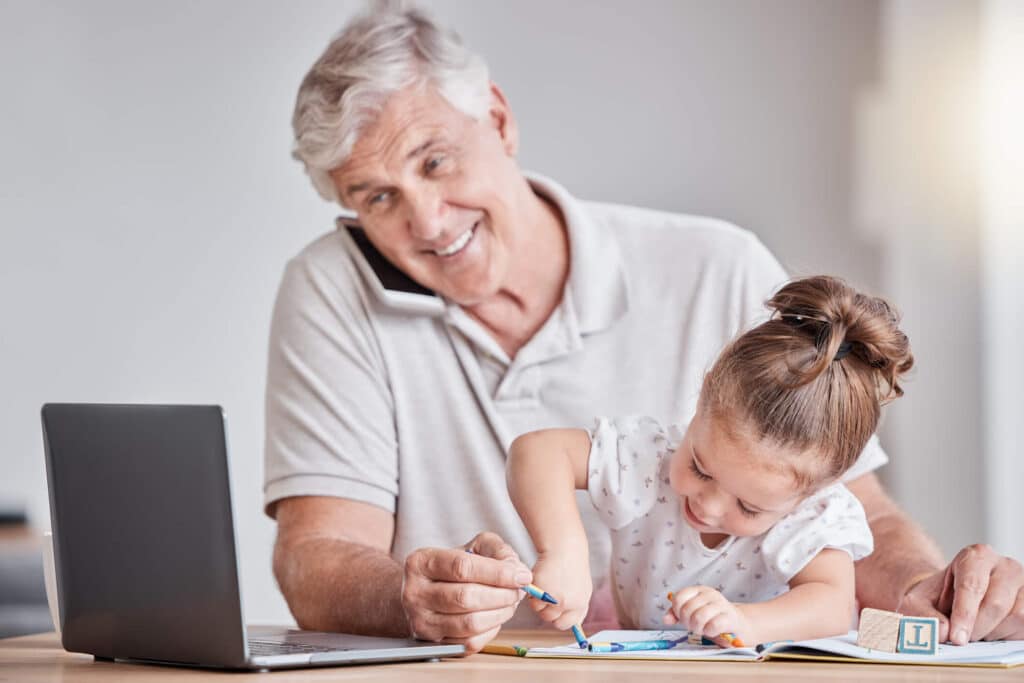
x=918, y=635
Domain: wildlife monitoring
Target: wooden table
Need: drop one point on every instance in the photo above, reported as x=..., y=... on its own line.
x=37, y=658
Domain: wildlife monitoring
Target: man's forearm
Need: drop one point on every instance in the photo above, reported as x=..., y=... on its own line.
x=903, y=554
x=336, y=585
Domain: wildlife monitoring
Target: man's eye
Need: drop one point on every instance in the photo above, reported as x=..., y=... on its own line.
x=433, y=163
x=378, y=198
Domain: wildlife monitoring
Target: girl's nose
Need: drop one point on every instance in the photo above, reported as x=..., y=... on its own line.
x=712, y=502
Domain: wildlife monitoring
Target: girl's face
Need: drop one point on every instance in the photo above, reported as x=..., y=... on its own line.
x=726, y=484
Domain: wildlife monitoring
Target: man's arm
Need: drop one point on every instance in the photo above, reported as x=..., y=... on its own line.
x=977, y=596
x=332, y=562
x=904, y=553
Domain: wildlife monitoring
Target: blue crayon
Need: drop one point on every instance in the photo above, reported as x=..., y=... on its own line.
x=534, y=591
x=539, y=594
x=634, y=645
x=581, y=637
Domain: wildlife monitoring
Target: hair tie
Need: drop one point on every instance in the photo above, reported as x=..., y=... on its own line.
x=796, y=320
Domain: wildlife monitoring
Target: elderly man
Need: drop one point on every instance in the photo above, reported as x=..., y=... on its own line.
x=470, y=303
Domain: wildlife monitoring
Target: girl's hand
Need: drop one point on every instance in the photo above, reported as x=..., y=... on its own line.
x=565, y=575
x=704, y=610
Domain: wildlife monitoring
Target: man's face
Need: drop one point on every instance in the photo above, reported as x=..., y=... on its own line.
x=435, y=191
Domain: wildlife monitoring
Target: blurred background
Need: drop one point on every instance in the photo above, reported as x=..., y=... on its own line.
x=148, y=204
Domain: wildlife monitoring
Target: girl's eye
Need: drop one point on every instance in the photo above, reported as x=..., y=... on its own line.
x=747, y=512
x=700, y=475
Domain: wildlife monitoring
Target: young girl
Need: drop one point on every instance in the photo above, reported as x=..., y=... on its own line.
x=742, y=517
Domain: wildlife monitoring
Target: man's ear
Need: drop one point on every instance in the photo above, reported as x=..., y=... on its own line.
x=501, y=118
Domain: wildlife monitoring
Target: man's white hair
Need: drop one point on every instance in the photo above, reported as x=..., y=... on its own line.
x=384, y=50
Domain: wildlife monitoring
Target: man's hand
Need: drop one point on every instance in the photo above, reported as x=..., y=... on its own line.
x=979, y=596
x=454, y=596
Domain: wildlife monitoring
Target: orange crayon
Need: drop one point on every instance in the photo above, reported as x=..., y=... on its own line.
x=731, y=637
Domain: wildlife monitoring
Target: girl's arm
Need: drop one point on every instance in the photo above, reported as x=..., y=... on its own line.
x=544, y=470
x=820, y=602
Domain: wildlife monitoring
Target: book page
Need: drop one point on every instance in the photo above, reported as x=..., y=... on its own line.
x=998, y=652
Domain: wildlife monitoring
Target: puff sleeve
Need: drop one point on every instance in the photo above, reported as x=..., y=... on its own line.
x=626, y=455
x=831, y=518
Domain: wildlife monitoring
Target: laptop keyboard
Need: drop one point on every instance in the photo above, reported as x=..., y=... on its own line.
x=264, y=648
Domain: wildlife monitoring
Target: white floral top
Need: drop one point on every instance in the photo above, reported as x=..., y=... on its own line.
x=654, y=549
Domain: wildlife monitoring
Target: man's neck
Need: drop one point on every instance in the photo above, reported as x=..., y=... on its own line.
x=538, y=269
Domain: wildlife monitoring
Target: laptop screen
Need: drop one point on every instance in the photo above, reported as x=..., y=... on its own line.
x=143, y=534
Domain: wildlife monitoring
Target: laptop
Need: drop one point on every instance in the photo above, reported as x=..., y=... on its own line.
x=144, y=547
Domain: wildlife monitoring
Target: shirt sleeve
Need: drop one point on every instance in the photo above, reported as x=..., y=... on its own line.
x=626, y=454
x=330, y=428
x=831, y=518
x=869, y=460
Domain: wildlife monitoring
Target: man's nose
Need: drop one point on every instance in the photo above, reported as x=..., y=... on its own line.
x=427, y=213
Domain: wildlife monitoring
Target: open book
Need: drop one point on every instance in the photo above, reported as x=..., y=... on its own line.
x=1003, y=654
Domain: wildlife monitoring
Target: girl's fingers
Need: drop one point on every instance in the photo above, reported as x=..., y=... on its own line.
x=691, y=607
x=702, y=618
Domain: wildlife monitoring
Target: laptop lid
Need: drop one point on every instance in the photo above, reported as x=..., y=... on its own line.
x=143, y=534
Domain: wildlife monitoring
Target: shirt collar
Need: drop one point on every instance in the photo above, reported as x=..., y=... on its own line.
x=597, y=278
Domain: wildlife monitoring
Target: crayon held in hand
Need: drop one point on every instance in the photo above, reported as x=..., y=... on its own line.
x=539, y=594
x=534, y=591
x=581, y=637
x=730, y=637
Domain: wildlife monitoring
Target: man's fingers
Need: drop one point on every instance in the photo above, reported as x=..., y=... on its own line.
x=1012, y=627
x=924, y=600
x=458, y=566
x=913, y=608
x=1000, y=598
x=459, y=598
x=438, y=627
x=490, y=544
x=972, y=568
x=477, y=642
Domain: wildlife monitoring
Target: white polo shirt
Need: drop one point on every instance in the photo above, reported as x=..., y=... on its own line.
x=406, y=403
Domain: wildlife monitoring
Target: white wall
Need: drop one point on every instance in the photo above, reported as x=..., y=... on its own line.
x=918, y=196
x=1002, y=97
x=148, y=203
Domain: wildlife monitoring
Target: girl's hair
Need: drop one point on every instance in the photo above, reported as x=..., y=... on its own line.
x=814, y=377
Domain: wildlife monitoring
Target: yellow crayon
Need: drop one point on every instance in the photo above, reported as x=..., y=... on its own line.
x=499, y=649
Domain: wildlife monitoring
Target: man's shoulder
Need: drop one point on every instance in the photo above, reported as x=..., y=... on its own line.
x=658, y=227
x=680, y=240
x=323, y=270
x=324, y=252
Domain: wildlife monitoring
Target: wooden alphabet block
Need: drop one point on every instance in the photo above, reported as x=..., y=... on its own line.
x=918, y=635
x=878, y=629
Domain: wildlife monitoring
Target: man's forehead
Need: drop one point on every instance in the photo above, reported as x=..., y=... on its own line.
x=389, y=145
